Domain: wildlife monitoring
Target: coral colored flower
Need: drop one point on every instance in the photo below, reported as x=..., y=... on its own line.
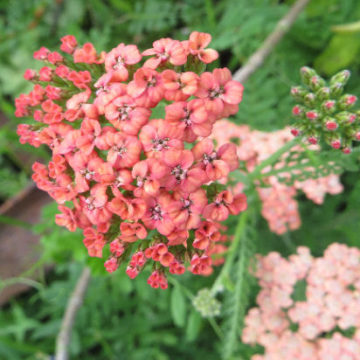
x=69, y=44
x=165, y=50
x=111, y=265
x=146, y=87
x=148, y=175
x=119, y=59
x=131, y=232
x=190, y=117
x=157, y=215
x=157, y=137
x=219, y=90
x=197, y=43
x=180, y=173
x=94, y=242
x=179, y=86
x=123, y=113
x=186, y=210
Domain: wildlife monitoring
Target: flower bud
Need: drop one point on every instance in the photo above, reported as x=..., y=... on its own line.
x=336, y=144
x=323, y=93
x=328, y=106
x=295, y=132
x=347, y=101
x=312, y=140
x=312, y=115
x=297, y=110
x=341, y=77
x=307, y=74
x=336, y=89
x=310, y=100
x=347, y=150
x=316, y=82
x=331, y=124
x=298, y=92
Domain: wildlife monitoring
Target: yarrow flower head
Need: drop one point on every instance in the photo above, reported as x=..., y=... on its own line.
x=308, y=308
x=279, y=204
x=324, y=112
x=132, y=162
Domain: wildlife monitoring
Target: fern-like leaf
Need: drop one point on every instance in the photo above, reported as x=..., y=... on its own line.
x=236, y=301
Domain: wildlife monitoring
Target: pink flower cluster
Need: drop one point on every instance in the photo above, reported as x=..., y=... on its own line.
x=324, y=326
x=279, y=206
x=132, y=162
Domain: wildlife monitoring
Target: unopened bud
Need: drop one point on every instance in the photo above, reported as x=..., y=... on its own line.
x=341, y=77
x=297, y=110
x=331, y=124
x=309, y=99
x=347, y=101
x=295, y=131
x=323, y=93
x=298, y=92
x=312, y=140
x=345, y=117
x=316, y=82
x=347, y=150
x=307, y=74
x=329, y=106
x=357, y=136
x=312, y=115
x=336, y=144
x=336, y=89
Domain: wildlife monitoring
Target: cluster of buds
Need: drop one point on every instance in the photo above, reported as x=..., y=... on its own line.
x=132, y=162
x=323, y=111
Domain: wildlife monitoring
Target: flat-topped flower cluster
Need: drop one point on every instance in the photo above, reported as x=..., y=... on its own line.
x=279, y=204
x=132, y=162
x=308, y=308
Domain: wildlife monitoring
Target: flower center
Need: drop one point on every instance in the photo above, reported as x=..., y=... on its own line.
x=156, y=213
x=179, y=173
x=208, y=159
x=160, y=144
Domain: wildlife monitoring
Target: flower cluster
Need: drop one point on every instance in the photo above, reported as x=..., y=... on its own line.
x=323, y=112
x=308, y=308
x=132, y=162
x=279, y=206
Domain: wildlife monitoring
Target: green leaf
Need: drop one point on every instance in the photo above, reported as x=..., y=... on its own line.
x=178, y=307
x=342, y=50
x=193, y=326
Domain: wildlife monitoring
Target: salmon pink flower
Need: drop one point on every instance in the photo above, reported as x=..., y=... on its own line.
x=146, y=87
x=217, y=164
x=119, y=58
x=111, y=265
x=180, y=173
x=165, y=50
x=197, y=43
x=157, y=216
x=158, y=136
x=69, y=44
x=131, y=232
x=94, y=242
x=190, y=117
x=186, y=210
x=148, y=174
x=123, y=113
x=219, y=90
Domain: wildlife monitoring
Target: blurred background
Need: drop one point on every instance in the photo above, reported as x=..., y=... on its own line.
x=40, y=263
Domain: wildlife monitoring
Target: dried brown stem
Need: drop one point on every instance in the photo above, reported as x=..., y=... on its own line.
x=259, y=56
x=73, y=305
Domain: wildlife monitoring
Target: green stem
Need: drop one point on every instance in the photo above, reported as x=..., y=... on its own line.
x=240, y=227
x=256, y=174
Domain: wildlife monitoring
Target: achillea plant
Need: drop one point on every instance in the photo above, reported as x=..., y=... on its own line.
x=132, y=162
x=308, y=308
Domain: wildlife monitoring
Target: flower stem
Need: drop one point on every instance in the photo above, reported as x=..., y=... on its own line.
x=256, y=174
x=240, y=227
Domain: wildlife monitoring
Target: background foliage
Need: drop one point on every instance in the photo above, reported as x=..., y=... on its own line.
x=120, y=319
